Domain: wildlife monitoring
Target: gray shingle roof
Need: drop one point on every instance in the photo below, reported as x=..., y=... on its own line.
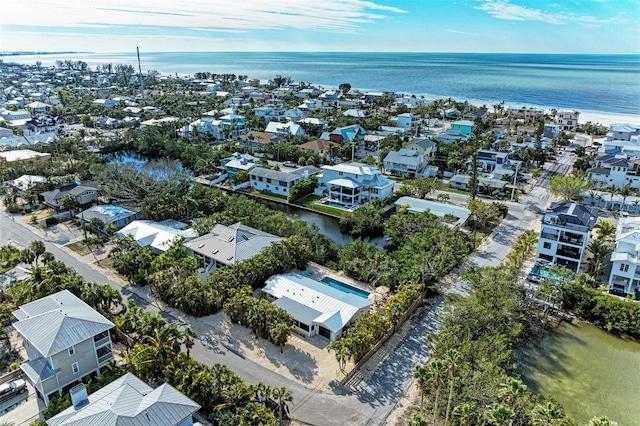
x=403, y=157
x=56, y=322
x=230, y=244
x=129, y=401
x=74, y=190
x=575, y=213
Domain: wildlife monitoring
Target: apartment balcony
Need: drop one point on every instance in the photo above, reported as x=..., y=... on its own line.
x=549, y=236
x=570, y=238
x=104, y=356
x=570, y=252
x=101, y=339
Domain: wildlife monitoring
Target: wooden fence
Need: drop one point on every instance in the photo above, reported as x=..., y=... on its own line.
x=11, y=376
x=382, y=341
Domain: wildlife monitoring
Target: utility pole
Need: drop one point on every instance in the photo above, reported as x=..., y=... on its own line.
x=140, y=74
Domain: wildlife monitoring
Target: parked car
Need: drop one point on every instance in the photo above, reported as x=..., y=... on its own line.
x=11, y=389
x=290, y=164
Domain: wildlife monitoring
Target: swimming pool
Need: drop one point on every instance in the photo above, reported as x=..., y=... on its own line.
x=338, y=285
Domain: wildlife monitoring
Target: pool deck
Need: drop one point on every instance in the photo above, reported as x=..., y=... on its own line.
x=318, y=272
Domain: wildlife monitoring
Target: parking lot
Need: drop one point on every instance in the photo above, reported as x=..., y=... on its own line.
x=21, y=409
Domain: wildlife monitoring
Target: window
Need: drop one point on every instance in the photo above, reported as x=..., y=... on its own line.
x=75, y=368
x=547, y=246
x=624, y=267
x=71, y=350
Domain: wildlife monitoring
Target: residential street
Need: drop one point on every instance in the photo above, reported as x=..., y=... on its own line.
x=377, y=395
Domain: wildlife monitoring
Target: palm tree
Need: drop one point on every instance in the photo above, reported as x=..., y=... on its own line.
x=423, y=377
x=599, y=250
x=625, y=191
x=438, y=370
x=465, y=413
x=452, y=358
x=601, y=421
x=605, y=230
x=546, y=415
x=499, y=415
x=283, y=395
x=512, y=392
x=611, y=189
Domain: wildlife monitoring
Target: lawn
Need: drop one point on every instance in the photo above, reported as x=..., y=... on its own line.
x=310, y=201
x=79, y=247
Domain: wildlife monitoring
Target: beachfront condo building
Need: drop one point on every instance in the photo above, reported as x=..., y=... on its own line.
x=568, y=120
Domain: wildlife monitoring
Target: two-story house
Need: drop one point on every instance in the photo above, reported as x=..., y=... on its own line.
x=65, y=340
x=127, y=401
x=238, y=163
x=624, y=278
x=405, y=162
x=424, y=147
x=83, y=194
x=408, y=120
x=465, y=127
x=565, y=232
x=284, y=129
x=353, y=184
x=278, y=182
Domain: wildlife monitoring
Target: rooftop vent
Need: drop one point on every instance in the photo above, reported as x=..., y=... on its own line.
x=79, y=396
x=216, y=251
x=201, y=245
x=231, y=239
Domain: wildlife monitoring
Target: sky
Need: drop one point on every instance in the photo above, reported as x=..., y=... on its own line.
x=519, y=26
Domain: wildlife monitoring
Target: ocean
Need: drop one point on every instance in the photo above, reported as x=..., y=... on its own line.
x=597, y=83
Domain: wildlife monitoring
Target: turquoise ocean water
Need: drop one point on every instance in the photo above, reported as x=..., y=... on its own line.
x=604, y=83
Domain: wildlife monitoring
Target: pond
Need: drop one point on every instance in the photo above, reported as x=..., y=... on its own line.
x=590, y=372
x=160, y=169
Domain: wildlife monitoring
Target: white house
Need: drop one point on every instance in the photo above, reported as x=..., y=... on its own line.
x=565, y=232
x=283, y=129
x=157, y=235
x=568, y=120
x=408, y=120
x=238, y=163
x=268, y=113
x=127, y=401
x=225, y=245
x=405, y=162
x=623, y=132
x=105, y=103
x=65, y=340
x=353, y=184
x=625, y=260
x=277, y=182
x=417, y=205
x=316, y=307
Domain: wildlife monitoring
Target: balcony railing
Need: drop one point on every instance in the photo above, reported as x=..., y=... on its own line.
x=568, y=252
x=102, y=342
x=571, y=240
x=105, y=358
x=549, y=236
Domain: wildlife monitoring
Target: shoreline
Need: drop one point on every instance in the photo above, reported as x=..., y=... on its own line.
x=605, y=118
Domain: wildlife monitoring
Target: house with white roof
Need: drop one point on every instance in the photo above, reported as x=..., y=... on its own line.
x=105, y=103
x=108, y=214
x=65, y=340
x=23, y=155
x=284, y=129
x=624, y=278
x=316, y=307
x=268, y=113
x=226, y=245
x=443, y=210
x=352, y=184
x=568, y=120
x=405, y=162
x=23, y=183
x=127, y=401
x=408, y=120
x=157, y=235
x=239, y=163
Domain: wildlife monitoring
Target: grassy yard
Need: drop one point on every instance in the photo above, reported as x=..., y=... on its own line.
x=310, y=202
x=79, y=247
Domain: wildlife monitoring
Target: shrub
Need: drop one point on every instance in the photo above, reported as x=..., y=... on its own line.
x=50, y=221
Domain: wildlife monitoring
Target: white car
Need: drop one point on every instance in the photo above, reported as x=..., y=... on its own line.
x=11, y=389
x=290, y=164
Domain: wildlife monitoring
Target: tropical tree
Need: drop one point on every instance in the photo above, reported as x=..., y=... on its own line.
x=422, y=374
x=512, y=392
x=601, y=421
x=38, y=249
x=283, y=395
x=605, y=230
x=438, y=371
x=568, y=188
x=599, y=250
x=452, y=358
x=499, y=415
x=465, y=413
x=546, y=414
x=280, y=333
x=625, y=191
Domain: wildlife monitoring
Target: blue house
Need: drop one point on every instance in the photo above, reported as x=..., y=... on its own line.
x=465, y=127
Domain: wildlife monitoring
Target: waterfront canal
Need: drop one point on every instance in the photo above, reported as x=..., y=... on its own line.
x=590, y=372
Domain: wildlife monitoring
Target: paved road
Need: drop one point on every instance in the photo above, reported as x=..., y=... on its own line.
x=376, y=397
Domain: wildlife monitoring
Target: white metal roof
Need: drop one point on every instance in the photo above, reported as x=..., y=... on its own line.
x=129, y=401
x=56, y=322
x=336, y=307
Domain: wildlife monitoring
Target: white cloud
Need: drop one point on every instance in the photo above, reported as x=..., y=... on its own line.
x=326, y=15
x=502, y=9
